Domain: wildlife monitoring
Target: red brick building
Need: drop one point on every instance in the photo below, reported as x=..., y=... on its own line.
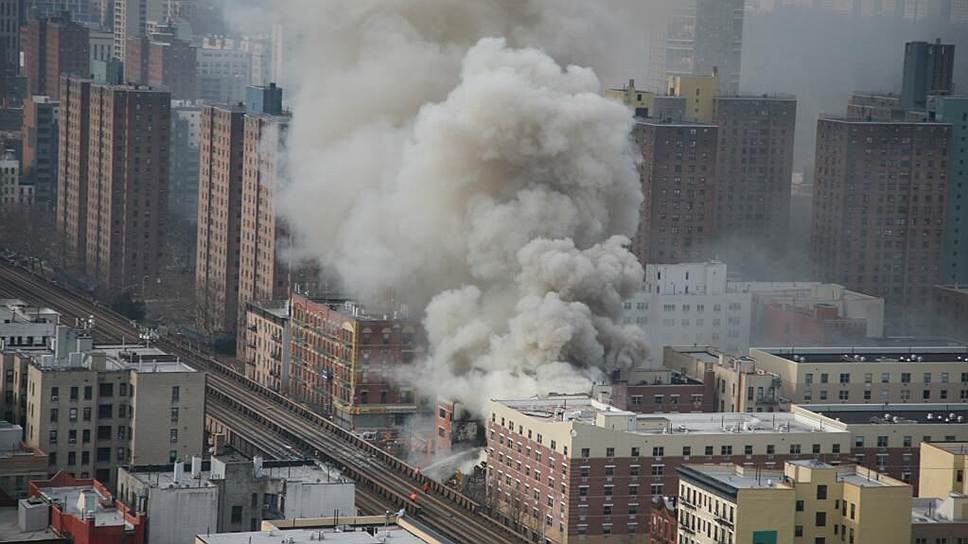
x=570, y=469
x=664, y=523
x=347, y=363
x=454, y=424
x=54, y=47
x=86, y=511
x=817, y=325
x=678, y=172
x=657, y=391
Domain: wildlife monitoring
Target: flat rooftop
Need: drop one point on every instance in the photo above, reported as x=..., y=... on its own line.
x=880, y=414
x=731, y=478
x=291, y=471
x=134, y=357
x=585, y=410
x=873, y=354
x=672, y=123
x=10, y=529
x=952, y=447
x=354, y=535
x=67, y=497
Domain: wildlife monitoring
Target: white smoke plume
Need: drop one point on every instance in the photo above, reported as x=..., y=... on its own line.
x=479, y=180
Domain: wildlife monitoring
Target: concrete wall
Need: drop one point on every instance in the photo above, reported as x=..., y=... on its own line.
x=319, y=499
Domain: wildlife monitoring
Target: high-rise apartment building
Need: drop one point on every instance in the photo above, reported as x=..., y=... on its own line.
x=54, y=47
x=264, y=343
x=221, y=158
x=950, y=311
x=879, y=208
x=163, y=61
x=114, y=405
x=183, y=183
x=678, y=173
x=224, y=70
x=263, y=273
x=73, y=136
x=344, y=360
x=127, y=195
x=928, y=70
x=954, y=110
x=807, y=501
x=40, y=135
x=10, y=37
x=239, y=256
x=754, y=178
x=704, y=35
x=130, y=21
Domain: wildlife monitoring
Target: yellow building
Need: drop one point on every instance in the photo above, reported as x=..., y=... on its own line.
x=699, y=92
x=809, y=501
x=637, y=99
x=942, y=469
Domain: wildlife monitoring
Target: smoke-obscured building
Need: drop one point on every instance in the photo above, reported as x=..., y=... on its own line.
x=928, y=70
x=224, y=68
x=345, y=361
x=754, y=176
x=655, y=390
x=678, y=173
x=954, y=110
x=736, y=383
x=950, y=311
x=704, y=35
x=690, y=304
x=240, y=254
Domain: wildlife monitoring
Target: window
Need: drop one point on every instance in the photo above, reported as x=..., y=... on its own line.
x=927, y=377
x=686, y=451
x=74, y=393
x=54, y=393
x=824, y=378
x=709, y=450
x=835, y=448
x=53, y=436
x=633, y=489
x=105, y=390
x=176, y=394
x=800, y=506
x=843, y=395
x=88, y=392
x=635, y=452
x=85, y=436
x=821, y=492
x=794, y=449
x=885, y=377
x=174, y=415
x=809, y=378
x=53, y=415
x=123, y=389
x=103, y=455
x=905, y=377
x=72, y=436
x=237, y=513
x=858, y=441
x=634, y=470
x=87, y=413
x=770, y=449
x=748, y=450
x=105, y=411
x=815, y=448
x=658, y=470
x=104, y=432
x=821, y=519
x=586, y=452
x=609, y=452
x=658, y=451
x=173, y=435
x=881, y=441
x=907, y=441
x=72, y=414
x=798, y=530
x=845, y=378
x=726, y=450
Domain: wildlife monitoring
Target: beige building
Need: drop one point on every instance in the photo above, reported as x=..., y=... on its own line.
x=264, y=343
x=887, y=374
x=18, y=463
x=114, y=405
x=738, y=384
x=808, y=502
x=699, y=92
x=940, y=513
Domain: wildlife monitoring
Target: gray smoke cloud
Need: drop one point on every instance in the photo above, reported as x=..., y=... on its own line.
x=438, y=154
